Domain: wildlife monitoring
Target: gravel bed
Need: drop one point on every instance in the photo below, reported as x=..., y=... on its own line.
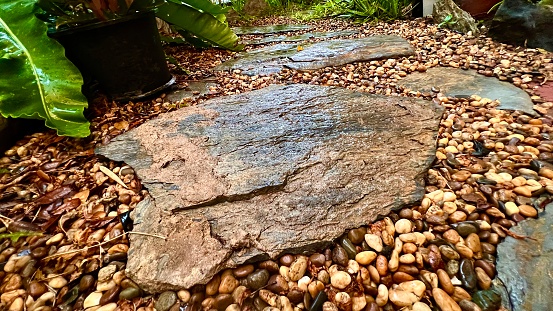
x=493, y=169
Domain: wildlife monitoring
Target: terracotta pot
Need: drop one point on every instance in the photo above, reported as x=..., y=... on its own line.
x=478, y=8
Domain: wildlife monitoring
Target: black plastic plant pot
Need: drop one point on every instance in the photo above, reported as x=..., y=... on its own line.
x=124, y=56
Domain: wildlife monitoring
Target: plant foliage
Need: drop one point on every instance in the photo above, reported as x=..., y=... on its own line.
x=37, y=81
x=201, y=18
x=197, y=18
x=363, y=9
x=16, y=235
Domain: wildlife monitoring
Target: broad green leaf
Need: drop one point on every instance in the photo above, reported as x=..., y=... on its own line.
x=202, y=25
x=16, y=235
x=205, y=6
x=37, y=81
x=144, y=5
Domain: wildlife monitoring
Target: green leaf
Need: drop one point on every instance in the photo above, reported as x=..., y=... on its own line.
x=203, y=25
x=16, y=235
x=204, y=6
x=37, y=81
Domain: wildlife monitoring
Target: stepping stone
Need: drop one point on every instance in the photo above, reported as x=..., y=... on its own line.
x=270, y=29
x=282, y=169
x=525, y=265
x=311, y=56
x=194, y=89
x=303, y=37
x=459, y=82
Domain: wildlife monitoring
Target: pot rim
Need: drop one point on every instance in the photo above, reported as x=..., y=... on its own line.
x=68, y=30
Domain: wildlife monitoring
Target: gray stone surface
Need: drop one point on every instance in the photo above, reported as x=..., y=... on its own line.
x=460, y=20
x=303, y=37
x=456, y=82
x=526, y=265
x=273, y=59
x=281, y=169
x=270, y=29
x=194, y=89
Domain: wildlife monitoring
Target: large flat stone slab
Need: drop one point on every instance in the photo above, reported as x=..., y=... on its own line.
x=281, y=169
x=273, y=59
x=459, y=82
x=269, y=29
x=302, y=37
x=526, y=266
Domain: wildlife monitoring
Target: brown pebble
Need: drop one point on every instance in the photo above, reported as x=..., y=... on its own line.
x=357, y=236
x=451, y=236
x=212, y=287
x=86, y=282
x=488, y=248
x=445, y=281
x=372, y=306
x=406, y=213
x=381, y=265
x=409, y=269
x=517, y=217
x=11, y=282
x=125, y=198
x=36, y=289
x=243, y=271
x=484, y=235
x=277, y=284
x=287, y=260
x=126, y=283
x=269, y=265
x=317, y=259
x=527, y=211
x=400, y=277
x=110, y=296
x=488, y=267
x=39, y=252
x=340, y=256
x=484, y=280
x=222, y=301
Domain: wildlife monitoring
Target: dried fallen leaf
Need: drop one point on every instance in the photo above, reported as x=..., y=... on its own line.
x=112, y=175
x=82, y=195
x=54, y=195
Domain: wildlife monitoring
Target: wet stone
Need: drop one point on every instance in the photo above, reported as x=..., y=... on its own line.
x=522, y=263
x=270, y=29
x=281, y=147
x=312, y=56
x=455, y=82
x=193, y=90
x=165, y=301
x=130, y=293
x=298, y=38
x=257, y=279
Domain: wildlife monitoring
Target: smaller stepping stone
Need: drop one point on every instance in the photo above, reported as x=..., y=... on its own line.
x=304, y=37
x=263, y=30
x=459, y=82
x=525, y=265
x=312, y=56
x=195, y=88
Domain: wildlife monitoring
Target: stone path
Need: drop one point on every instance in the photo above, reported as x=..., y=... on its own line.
x=194, y=89
x=310, y=56
x=270, y=29
x=526, y=265
x=298, y=38
x=314, y=158
x=281, y=169
x=457, y=82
